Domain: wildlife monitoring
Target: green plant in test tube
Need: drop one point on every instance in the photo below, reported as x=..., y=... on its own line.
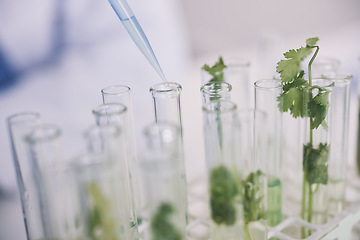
x=161, y=225
x=223, y=185
x=303, y=99
x=227, y=189
x=101, y=223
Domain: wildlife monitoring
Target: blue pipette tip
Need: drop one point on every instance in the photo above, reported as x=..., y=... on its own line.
x=125, y=14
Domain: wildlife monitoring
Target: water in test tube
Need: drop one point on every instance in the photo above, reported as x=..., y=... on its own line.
x=124, y=12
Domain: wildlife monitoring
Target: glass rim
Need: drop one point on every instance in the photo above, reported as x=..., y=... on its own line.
x=101, y=110
x=165, y=87
x=43, y=133
x=124, y=89
x=206, y=87
x=18, y=118
x=277, y=83
x=231, y=107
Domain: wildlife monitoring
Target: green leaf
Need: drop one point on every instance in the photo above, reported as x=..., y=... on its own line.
x=294, y=85
x=216, y=70
x=223, y=192
x=318, y=108
x=101, y=222
x=315, y=163
x=311, y=42
x=217, y=73
x=293, y=100
x=322, y=98
x=298, y=82
x=288, y=69
x=253, y=197
x=161, y=226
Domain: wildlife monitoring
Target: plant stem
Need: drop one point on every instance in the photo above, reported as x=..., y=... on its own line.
x=311, y=61
x=310, y=205
x=310, y=83
x=247, y=232
x=303, y=205
x=310, y=197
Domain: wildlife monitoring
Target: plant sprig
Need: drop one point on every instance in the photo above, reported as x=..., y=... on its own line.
x=315, y=163
x=253, y=197
x=296, y=96
x=101, y=222
x=216, y=71
x=161, y=225
x=223, y=192
x=303, y=99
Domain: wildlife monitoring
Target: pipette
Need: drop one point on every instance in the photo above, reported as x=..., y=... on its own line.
x=128, y=19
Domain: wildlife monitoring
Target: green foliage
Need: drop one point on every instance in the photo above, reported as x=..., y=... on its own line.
x=223, y=191
x=297, y=97
x=318, y=107
x=302, y=99
x=161, y=226
x=253, y=197
x=315, y=163
x=311, y=42
x=101, y=222
x=217, y=73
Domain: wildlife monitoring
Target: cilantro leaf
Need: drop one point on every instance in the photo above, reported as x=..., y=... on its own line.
x=288, y=69
x=216, y=71
x=318, y=107
x=161, y=226
x=100, y=221
x=253, y=196
x=296, y=96
x=223, y=192
x=293, y=101
x=311, y=42
x=315, y=163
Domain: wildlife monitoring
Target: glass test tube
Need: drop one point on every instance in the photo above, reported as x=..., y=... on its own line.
x=167, y=104
x=58, y=217
x=267, y=92
x=114, y=114
x=236, y=74
x=107, y=210
x=224, y=176
x=253, y=154
x=316, y=146
x=340, y=106
x=19, y=125
x=324, y=66
x=167, y=108
x=215, y=91
x=122, y=94
x=161, y=169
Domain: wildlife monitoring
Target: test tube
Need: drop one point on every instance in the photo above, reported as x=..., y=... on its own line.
x=161, y=169
x=19, y=125
x=122, y=94
x=107, y=210
x=267, y=93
